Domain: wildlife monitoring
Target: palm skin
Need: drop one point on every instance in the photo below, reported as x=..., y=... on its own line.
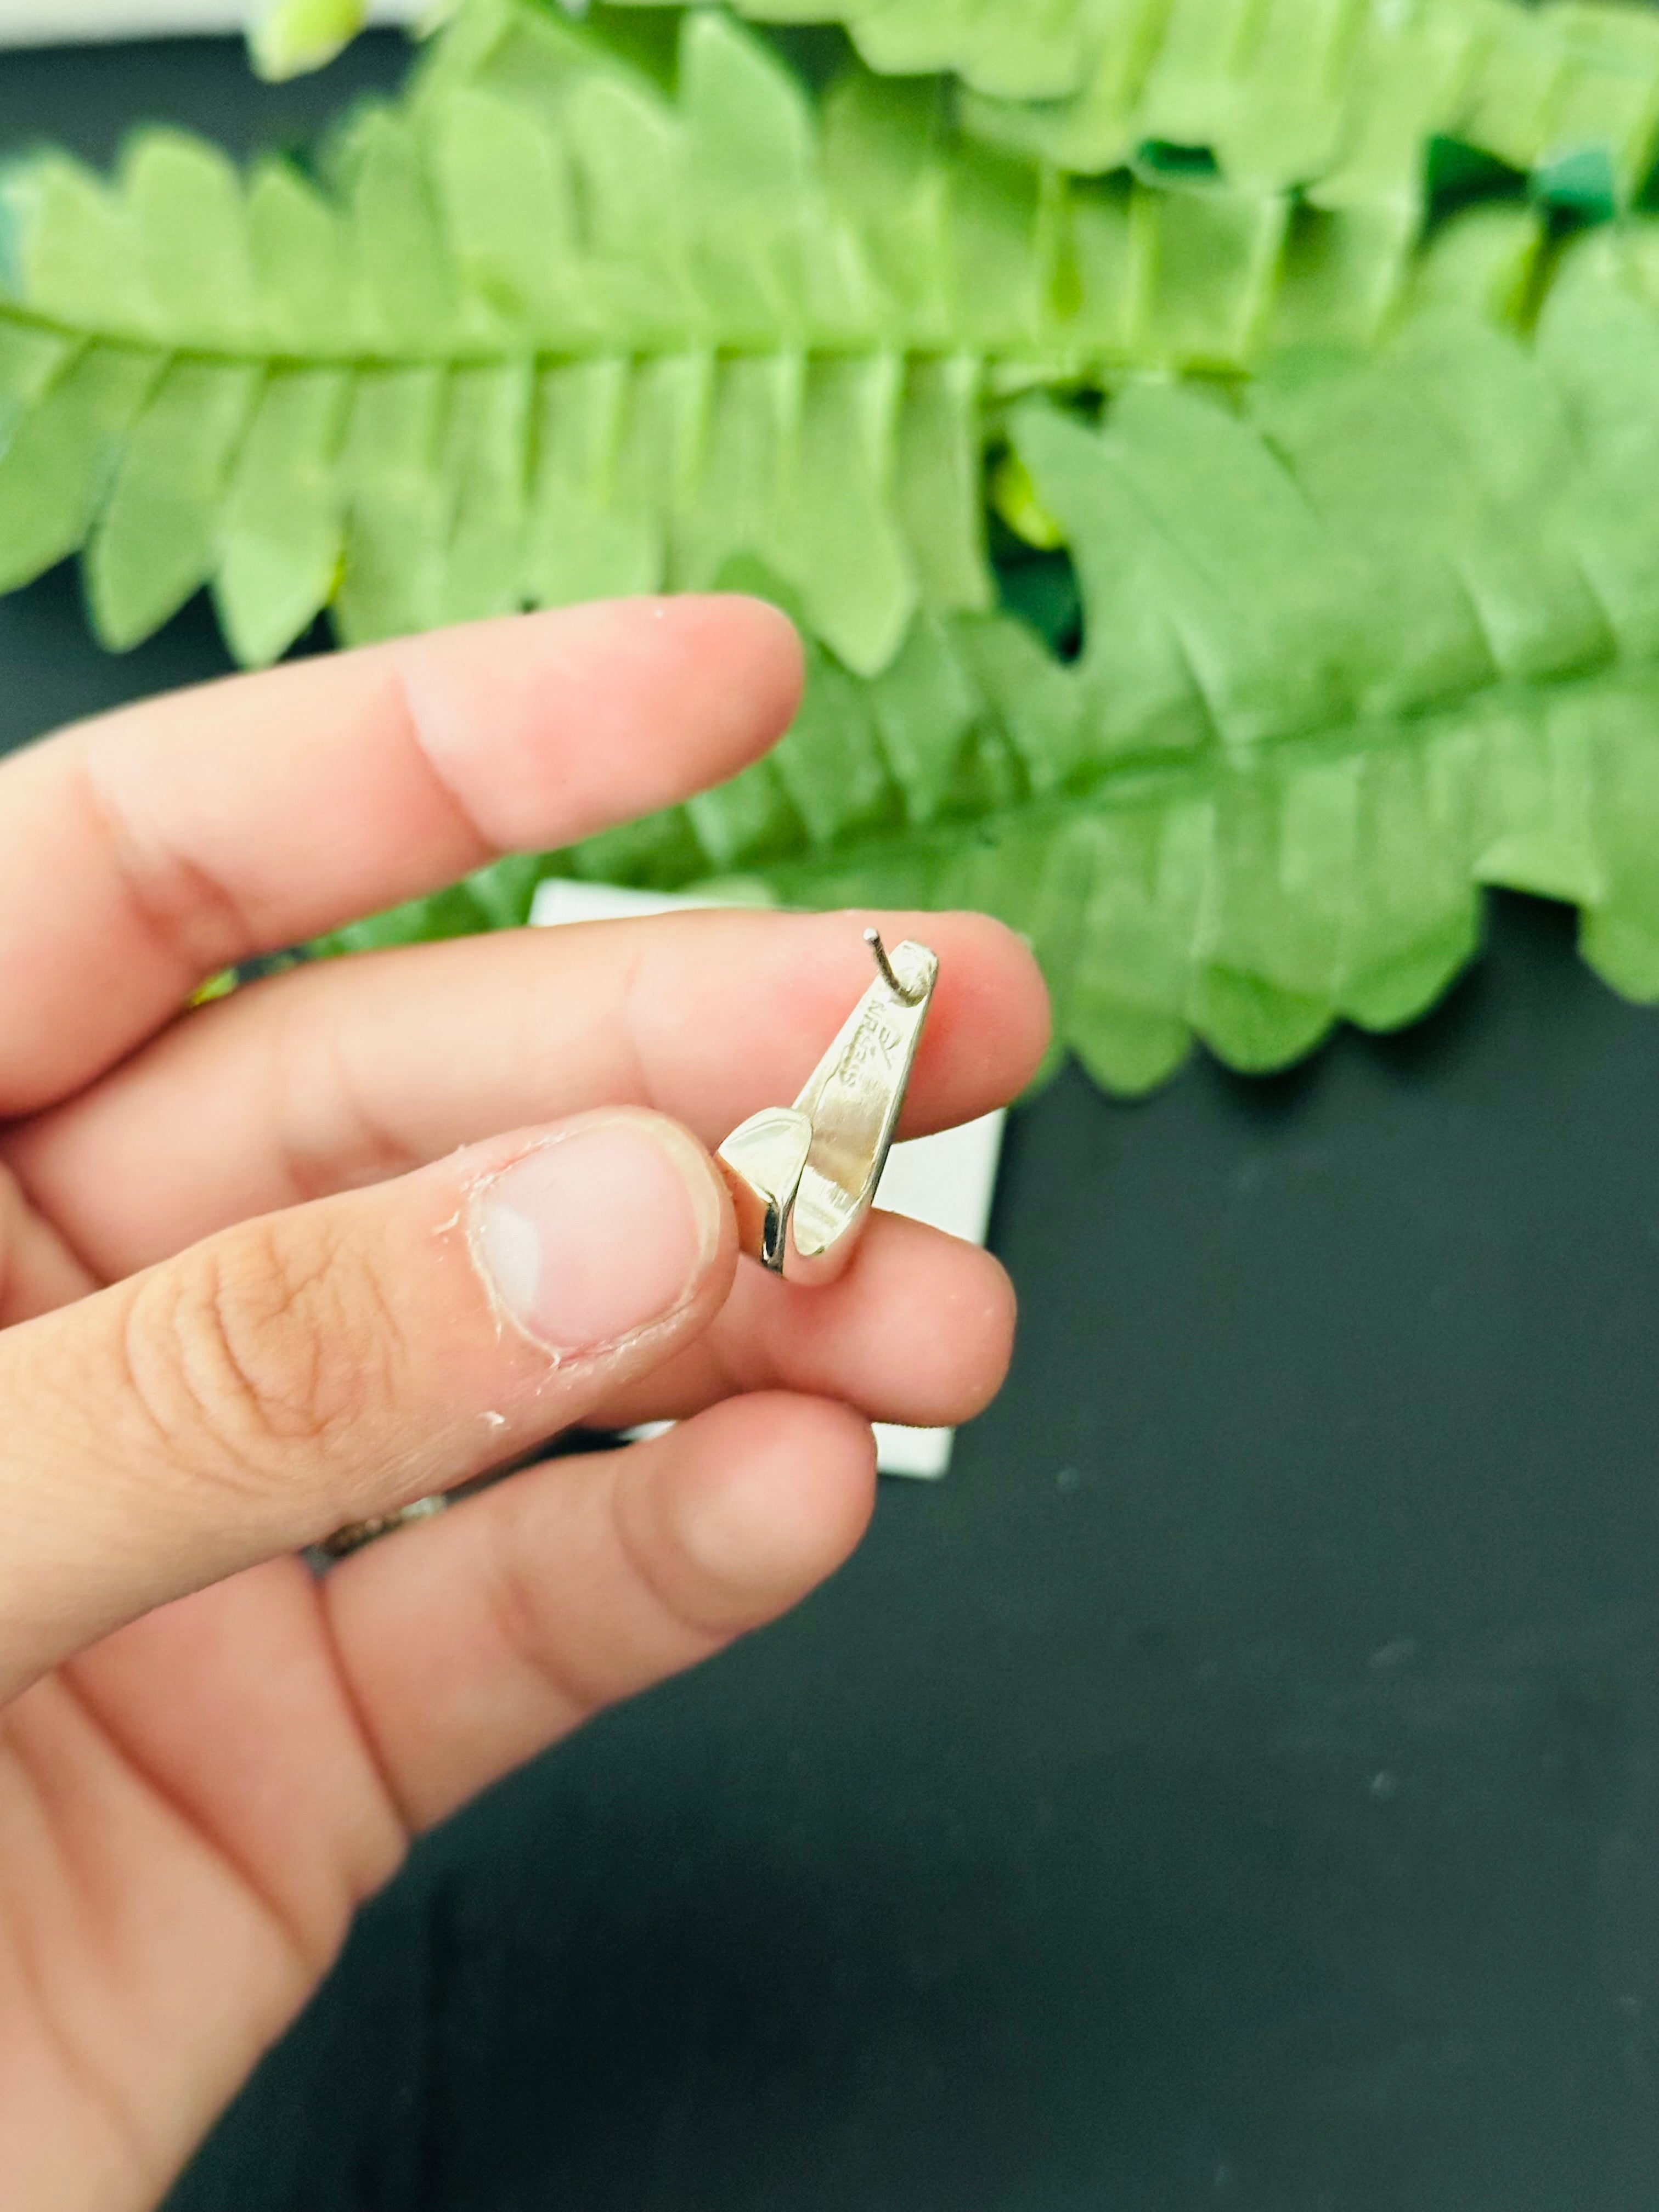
x=188, y=1816
x=208, y=1756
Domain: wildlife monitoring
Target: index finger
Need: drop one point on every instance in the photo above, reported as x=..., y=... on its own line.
x=140, y=852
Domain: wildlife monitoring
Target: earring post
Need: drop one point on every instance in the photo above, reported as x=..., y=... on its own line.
x=879, y=953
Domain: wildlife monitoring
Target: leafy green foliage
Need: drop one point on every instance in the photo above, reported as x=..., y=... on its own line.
x=1364, y=523
x=547, y=332
x=533, y=344
x=1338, y=95
x=1380, y=632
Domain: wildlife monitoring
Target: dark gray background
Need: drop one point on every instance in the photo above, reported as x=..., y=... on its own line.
x=1234, y=1788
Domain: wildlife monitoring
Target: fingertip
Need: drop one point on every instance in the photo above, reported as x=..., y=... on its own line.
x=763, y=1497
x=955, y=1304
x=569, y=719
x=768, y=635
x=978, y=1324
x=995, y=990
x=739, y=669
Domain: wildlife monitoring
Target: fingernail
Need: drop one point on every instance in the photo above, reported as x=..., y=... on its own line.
x=597, y=1234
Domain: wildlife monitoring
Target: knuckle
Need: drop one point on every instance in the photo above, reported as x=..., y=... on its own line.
x=519, y=1617
x=259, y=1344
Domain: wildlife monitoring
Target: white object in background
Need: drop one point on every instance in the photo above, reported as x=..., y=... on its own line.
x=52, y=22
x=558, y=899
x=946, y=1180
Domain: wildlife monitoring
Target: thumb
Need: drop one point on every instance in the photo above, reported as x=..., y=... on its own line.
x=331, y=1363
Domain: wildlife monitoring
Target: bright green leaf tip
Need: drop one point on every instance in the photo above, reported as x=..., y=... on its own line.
x=1014, y=497
x=293, y=36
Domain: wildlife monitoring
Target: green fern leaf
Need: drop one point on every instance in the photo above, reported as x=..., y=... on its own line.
x=1381, y=633
x=547, y=330
x=1339, y=95
x=627, y=309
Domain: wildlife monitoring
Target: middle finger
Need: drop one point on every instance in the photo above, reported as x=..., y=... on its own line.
x=343, y=1073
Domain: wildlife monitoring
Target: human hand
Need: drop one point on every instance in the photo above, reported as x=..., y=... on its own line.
x=251, y=1289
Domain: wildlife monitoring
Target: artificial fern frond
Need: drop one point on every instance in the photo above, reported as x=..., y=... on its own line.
x=1338, y=94
x=1341, y=100
x=531, y=346
x=1370, y=636
x=547, y=331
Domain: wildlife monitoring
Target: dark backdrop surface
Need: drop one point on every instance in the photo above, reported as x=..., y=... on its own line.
x=1236, y=1787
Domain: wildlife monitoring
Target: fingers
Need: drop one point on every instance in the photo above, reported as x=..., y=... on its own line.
x=331, y=1363
x=470, y=1642
x=328, y=1077
x=229, y=1702
x=38, y=1271
x=919, y=1330
x=166, y=841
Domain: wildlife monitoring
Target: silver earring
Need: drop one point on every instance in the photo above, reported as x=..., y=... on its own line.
x=803, y=1177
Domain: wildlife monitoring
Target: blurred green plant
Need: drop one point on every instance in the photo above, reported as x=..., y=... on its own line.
x=1316, y=494
x=288, y=37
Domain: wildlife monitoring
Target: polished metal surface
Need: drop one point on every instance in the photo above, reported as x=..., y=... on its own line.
x=803, y=1177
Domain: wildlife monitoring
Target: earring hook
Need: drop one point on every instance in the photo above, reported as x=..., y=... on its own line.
x=872, y=938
